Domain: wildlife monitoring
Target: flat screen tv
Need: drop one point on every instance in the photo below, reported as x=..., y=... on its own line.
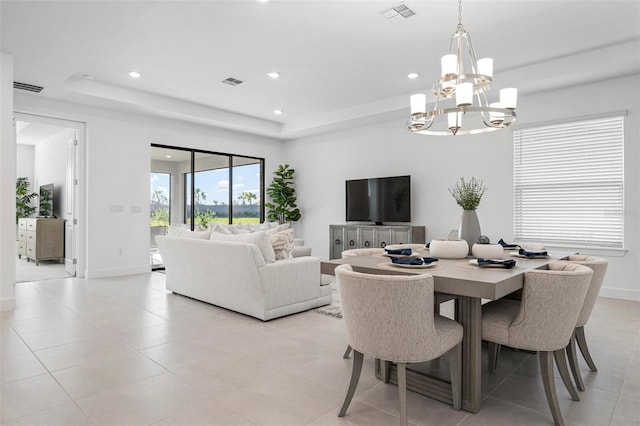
x=379, y=200
x=45, y=208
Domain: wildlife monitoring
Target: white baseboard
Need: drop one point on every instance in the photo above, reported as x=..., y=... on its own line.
x=7, y=304
x=620, y=293
x=116, y=272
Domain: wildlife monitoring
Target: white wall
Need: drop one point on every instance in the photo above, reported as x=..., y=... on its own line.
x=50, y=162
x=324, y=162
x=117, y=175
x=7, y=185
x=25, y=155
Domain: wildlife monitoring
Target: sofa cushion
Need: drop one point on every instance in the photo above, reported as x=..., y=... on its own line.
x=221, y=228
x=261, y=239
x=282, y=243
x=177, y=231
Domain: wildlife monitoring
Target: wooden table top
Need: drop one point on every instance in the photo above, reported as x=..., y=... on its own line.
x=452, y=276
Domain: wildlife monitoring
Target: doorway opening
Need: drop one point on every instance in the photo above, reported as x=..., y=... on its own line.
x=48, y=236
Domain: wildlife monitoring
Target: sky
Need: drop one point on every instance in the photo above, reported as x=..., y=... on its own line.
x=215, y=183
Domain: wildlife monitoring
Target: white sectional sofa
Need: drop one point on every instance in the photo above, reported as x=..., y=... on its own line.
x=235, y=275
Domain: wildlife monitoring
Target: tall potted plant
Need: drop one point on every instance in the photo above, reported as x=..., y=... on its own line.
x=24, y=197
x=468, y=194
x=283, y=207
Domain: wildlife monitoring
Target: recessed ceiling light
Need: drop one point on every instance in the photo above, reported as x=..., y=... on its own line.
x=262, y=1
x=278, y=111
x=134, y=74
x=273, y=74
x=168, y=156
x=413, y=75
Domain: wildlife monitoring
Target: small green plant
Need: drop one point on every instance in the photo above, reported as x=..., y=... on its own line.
x=160, y=217
x=24, y=198
x=205, y=217
x=283, y=196
x=468, y=193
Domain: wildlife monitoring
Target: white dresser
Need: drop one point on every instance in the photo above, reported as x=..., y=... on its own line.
x=41, y=239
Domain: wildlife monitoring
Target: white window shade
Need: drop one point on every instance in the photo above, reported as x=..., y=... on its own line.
x=569, y=183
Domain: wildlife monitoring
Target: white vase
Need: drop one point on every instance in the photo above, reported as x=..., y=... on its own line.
x=487, y=251
x=469, y=229
x=449, y=249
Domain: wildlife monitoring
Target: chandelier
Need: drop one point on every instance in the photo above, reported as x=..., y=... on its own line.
x=461, y=104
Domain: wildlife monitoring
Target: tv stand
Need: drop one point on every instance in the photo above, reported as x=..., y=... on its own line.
x=345, y=237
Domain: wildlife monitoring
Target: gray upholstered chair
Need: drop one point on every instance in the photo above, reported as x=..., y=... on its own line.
x=544, y=321
x=390, y=317
x=599, y=267
x=439, y=297
x=362, y=252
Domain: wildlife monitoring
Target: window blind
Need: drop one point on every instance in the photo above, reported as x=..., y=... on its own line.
x=569, y=183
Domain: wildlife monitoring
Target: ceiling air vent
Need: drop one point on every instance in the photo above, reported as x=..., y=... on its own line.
x=399, y=12
x=27, y=87
x=231, y=81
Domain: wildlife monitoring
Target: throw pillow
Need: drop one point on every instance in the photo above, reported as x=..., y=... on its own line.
x=222, y=229
x=176, y=231
x=279, y=228
x=261, y=239
x=282, y=243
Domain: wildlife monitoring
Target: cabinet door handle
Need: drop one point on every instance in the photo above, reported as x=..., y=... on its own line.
x=352, y=243
x=367, y=244
x=337, y=242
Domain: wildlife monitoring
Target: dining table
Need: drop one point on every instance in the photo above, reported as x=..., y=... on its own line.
x=471, y=285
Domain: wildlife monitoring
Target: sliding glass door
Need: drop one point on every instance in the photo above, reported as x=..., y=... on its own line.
x=247, y=184
x=194, y=189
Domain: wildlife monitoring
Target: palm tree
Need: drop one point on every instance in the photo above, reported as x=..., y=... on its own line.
x=250, y=196
x=199, y=195
x=158, y=197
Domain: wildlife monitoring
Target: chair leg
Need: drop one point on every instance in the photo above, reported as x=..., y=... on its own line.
x=561, y=363
x=494, y=355
x=573, y=363
x=546, y=371
x=353, y=383
x=402, y=391
x=455, y=371
x=582, y=343
x=347, y=352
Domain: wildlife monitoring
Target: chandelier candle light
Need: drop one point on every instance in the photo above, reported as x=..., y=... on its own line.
x=455, y=91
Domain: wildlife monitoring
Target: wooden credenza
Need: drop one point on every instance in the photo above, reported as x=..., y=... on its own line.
x=345, y=237
x=41, y=239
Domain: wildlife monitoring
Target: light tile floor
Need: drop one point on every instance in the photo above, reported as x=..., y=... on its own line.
x=123, y=351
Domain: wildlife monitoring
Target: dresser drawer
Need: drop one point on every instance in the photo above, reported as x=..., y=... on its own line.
x=22, y=247
x=22, y=235
x=30, y=237
x=32, y=224
x=22, y=223
x=31, y=250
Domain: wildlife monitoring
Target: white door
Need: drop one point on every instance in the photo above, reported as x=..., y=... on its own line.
x=71, y=208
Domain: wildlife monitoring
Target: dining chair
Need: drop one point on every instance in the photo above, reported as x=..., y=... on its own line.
x=439, y=297
x=543, y=321
x=362, y=252
x=389, y=317
x=599, y=267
